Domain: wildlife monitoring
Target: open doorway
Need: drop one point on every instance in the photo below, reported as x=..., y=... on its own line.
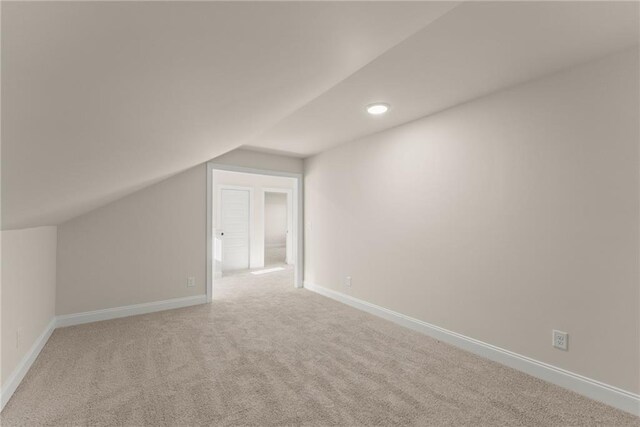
x=278, y=223
x=253, y=225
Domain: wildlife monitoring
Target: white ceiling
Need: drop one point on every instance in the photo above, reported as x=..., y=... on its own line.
x=100, y=99
x=473, y=50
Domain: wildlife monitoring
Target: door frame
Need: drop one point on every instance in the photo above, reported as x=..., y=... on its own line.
x=219, y=188
x=289, y=193
x=298, y=218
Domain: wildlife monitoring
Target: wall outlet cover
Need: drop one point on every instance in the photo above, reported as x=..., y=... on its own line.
x=191, y=282
x=560, y=340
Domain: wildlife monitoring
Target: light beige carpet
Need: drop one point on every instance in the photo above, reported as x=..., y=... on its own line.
x=266, y=354
x=275, y=256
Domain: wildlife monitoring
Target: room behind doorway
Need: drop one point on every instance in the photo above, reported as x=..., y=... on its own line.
x=253, y=222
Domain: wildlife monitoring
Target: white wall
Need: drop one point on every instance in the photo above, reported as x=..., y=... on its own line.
x=258, y=183
x=500, y=219
x=28, y=291
x=142, y=248
x=138, y=249
x=259, y=160
x=275, y=219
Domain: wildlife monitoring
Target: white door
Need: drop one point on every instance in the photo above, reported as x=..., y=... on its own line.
x=234, y=221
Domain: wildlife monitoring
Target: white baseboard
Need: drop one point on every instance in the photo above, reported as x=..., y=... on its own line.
x=79, y=318
x=127, y=310
x=618, y=398
x=21, y=370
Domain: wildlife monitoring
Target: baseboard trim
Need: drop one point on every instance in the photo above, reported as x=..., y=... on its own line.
x=23, y=367
x=596, y=390
x=128, y=310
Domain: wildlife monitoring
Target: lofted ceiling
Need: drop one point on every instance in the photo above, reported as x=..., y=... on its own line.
x=100, y=99
x=473, y=50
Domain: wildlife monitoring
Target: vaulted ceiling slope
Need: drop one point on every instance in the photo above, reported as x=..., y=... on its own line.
x=101, y=99
x=473, y=50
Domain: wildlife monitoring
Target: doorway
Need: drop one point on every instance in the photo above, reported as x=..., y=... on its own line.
x=278, y=225
x=254, y=220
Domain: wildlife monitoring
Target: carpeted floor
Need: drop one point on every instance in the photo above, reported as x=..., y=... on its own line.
x=264, y=353
x=275, y=256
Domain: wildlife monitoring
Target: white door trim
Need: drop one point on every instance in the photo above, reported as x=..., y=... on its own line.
x=290, y=219
x=298, y=239
x=219, y=189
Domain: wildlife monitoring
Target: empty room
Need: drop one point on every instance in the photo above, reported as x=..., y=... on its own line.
x=320, y=213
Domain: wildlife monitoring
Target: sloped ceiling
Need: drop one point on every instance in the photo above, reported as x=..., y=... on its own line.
x=100, y=99
x=474, y=50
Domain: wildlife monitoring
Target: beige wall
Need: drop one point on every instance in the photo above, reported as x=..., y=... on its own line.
x=28, y=291
x=142, y=248
x=500, y=219
x=138, y=249
x=258, y=183
x=259, y=160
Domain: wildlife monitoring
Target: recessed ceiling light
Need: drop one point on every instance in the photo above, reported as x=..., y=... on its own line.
x=377, y=108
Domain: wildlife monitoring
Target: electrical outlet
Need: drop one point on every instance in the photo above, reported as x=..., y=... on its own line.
x=191, y=282
x=348, y=282
x=560, y=340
